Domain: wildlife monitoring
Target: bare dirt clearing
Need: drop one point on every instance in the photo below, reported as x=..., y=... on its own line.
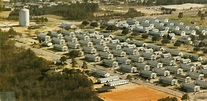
x=133, y=92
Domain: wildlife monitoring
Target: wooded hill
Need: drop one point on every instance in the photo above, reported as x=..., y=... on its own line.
x=25, y=74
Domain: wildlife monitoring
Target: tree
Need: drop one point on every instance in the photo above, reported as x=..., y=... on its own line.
x=180, y=15
x=155, y=38
x=73, y=62
x=185, y=97
x=202, y=17
x=135, y=33
x=85, y=23
x=205, y=50
x=94, y=24
x=132, y=12
x=168, y=99
x=199, y=13
x=74, y=53
x=201, y=44
x=85, y=65
x=129, y=77
x=125, y=31
x=165, y=41
x=144, y=36
x=177, y=44
x=196, y=49
x=111, y=27
x=63, y=60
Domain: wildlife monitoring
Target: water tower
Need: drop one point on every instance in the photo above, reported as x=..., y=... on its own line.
x=24, y=17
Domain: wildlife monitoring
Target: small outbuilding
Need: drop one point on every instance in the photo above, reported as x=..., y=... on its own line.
x=185, y=61
x=166, y=55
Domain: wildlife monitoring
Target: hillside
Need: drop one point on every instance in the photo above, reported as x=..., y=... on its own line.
x=31, y=79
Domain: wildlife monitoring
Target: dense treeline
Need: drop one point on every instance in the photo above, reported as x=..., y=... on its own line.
x=170, y=2
x=72, y=12
x=27, y=75
x=1, y=7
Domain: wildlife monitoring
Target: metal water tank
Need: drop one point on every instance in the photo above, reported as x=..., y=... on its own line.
x=24, y=17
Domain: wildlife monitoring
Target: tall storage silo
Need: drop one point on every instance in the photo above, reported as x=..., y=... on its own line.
x=24, y=17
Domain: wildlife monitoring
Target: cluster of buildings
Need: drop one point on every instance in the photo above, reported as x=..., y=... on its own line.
x=170, y=67
x=163, y=27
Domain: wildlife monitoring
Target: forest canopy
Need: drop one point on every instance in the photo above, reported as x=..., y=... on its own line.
x=26, y=74
x=71, y=12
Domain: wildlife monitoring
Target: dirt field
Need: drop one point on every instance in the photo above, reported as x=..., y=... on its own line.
x=4, y=14
x=133, y=92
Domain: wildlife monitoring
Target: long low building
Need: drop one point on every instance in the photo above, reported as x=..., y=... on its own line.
x=109, y=63
x=148, y=74
x=168, y=81
x=108, y=79
x=100, y=73
x=190, y=87
x=202, y=84
x=118, y=82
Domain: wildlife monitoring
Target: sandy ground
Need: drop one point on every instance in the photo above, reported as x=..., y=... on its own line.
x=4, y=14
x=133, y=92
